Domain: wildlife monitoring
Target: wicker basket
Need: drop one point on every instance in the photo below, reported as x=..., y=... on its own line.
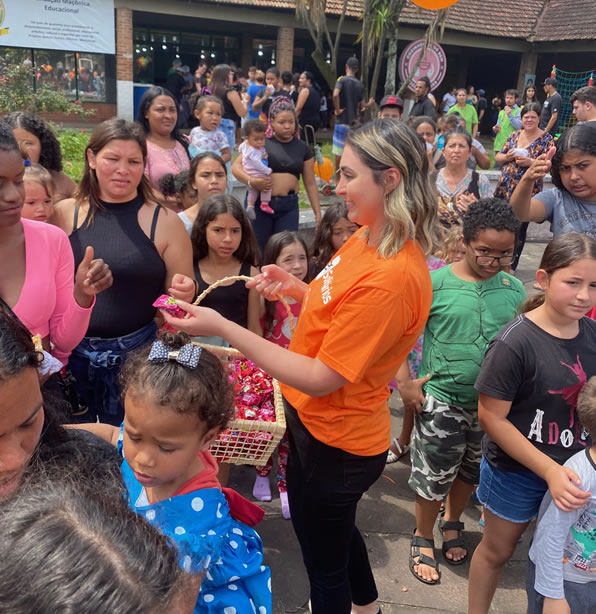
x=247, y=442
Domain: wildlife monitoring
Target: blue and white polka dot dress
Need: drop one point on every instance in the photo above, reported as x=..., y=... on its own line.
x=208, y=538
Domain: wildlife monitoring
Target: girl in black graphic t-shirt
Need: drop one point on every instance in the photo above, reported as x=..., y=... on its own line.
x=531, y=376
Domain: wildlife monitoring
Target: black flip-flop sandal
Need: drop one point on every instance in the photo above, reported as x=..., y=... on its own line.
x=458, y=542
x=416, y=543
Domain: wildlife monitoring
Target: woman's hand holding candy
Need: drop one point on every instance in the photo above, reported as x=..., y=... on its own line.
x=201, y=321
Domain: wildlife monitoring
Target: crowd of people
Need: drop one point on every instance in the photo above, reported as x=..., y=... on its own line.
x=109, y=407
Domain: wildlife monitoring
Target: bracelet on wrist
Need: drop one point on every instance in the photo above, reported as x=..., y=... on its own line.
x=196, y=294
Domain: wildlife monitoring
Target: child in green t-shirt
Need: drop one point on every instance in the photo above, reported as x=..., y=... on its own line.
x=472, y=300
x=509, y=120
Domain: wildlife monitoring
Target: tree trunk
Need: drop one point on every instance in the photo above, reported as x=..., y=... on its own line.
x=391, y=73
x=378, y=61
x=327, y=70
x=404, y=85
x=364, y=60
x=392, y=31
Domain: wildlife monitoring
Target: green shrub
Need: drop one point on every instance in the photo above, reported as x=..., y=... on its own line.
x=73, y=144
x=17, y=94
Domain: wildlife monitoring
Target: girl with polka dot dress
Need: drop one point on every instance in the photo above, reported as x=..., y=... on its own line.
x=177, y=400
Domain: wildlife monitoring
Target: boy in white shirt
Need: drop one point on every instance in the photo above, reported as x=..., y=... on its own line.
x=562, y=567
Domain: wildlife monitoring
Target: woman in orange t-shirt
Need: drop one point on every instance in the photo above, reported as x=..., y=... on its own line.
x=360, y=317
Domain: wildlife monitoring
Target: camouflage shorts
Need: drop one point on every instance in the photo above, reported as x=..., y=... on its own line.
x=445, y=445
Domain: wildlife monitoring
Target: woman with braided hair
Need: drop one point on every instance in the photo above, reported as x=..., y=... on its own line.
x=289, y=158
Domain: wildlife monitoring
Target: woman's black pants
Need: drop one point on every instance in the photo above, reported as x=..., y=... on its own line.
x=324, y=487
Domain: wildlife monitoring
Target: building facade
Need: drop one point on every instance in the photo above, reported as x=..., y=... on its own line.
x=494, y=45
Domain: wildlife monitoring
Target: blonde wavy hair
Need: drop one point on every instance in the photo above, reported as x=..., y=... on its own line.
x=36, y=173
x=411, y=211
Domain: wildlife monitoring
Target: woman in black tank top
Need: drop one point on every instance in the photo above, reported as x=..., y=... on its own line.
x=308, y=105
x=147, y=248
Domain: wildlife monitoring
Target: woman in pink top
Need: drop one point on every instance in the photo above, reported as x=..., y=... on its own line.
x=166, y=151
x=37, y=276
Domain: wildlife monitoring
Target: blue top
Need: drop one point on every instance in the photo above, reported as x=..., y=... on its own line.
x=253, y=91
x=208, y=538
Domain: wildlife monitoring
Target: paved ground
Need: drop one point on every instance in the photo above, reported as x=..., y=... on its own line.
x=386, y=518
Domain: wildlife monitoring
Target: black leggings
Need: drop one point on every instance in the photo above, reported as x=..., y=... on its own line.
x=324, y=487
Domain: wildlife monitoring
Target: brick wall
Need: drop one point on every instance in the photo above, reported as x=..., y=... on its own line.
x=285, y=48
x=124, y=45
x=100, y=113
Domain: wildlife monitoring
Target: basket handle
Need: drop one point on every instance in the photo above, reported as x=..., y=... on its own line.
x=224, y=280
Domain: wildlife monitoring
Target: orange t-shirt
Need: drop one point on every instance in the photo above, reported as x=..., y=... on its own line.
x=360, y=316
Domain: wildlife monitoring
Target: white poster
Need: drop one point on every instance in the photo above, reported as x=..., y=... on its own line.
x=65, y=25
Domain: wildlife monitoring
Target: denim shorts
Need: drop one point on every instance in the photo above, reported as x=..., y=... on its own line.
x=511, y=495
x=95, y=364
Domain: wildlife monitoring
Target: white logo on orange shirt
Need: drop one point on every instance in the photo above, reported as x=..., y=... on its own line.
x=327, y=275
x=329, y=266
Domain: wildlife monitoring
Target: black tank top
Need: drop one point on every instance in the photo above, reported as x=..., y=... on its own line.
x=229, y=301
x=137, y=268
x=311, y=111
x=229, y=110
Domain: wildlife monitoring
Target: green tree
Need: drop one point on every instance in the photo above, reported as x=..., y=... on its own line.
x=392, y=30
x=313, y=14
x=17, y=93
x=379, y=24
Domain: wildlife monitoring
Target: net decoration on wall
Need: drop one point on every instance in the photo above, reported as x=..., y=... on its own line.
x=567, y=83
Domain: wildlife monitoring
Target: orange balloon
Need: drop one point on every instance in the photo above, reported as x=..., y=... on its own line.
x=325, y=170
x=434, y=4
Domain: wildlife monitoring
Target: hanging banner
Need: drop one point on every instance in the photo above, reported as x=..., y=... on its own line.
x=65, y=25
x=433, y=64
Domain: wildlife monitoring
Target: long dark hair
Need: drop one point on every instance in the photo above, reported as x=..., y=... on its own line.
x=146, y=101
x=581, y=137
x=196, y=161
x=525, y=95
x=322, y=250
x=58, y=450
x=102, y=556
x=271, y=253
x=106, y=132
x=220, y=80
x=559, y=254
x=248, y=250
x=50, y=156
x=17, y=351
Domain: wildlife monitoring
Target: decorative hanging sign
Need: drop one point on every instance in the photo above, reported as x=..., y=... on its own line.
x=433, y=65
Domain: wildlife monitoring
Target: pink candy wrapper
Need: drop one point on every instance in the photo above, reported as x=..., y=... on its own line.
x=168, y=303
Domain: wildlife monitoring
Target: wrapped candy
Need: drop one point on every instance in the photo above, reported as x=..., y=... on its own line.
x=168, y=303
x=253, y=400
x=253, y=391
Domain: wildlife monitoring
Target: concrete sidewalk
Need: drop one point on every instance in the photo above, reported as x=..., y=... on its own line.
x=386, y=519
